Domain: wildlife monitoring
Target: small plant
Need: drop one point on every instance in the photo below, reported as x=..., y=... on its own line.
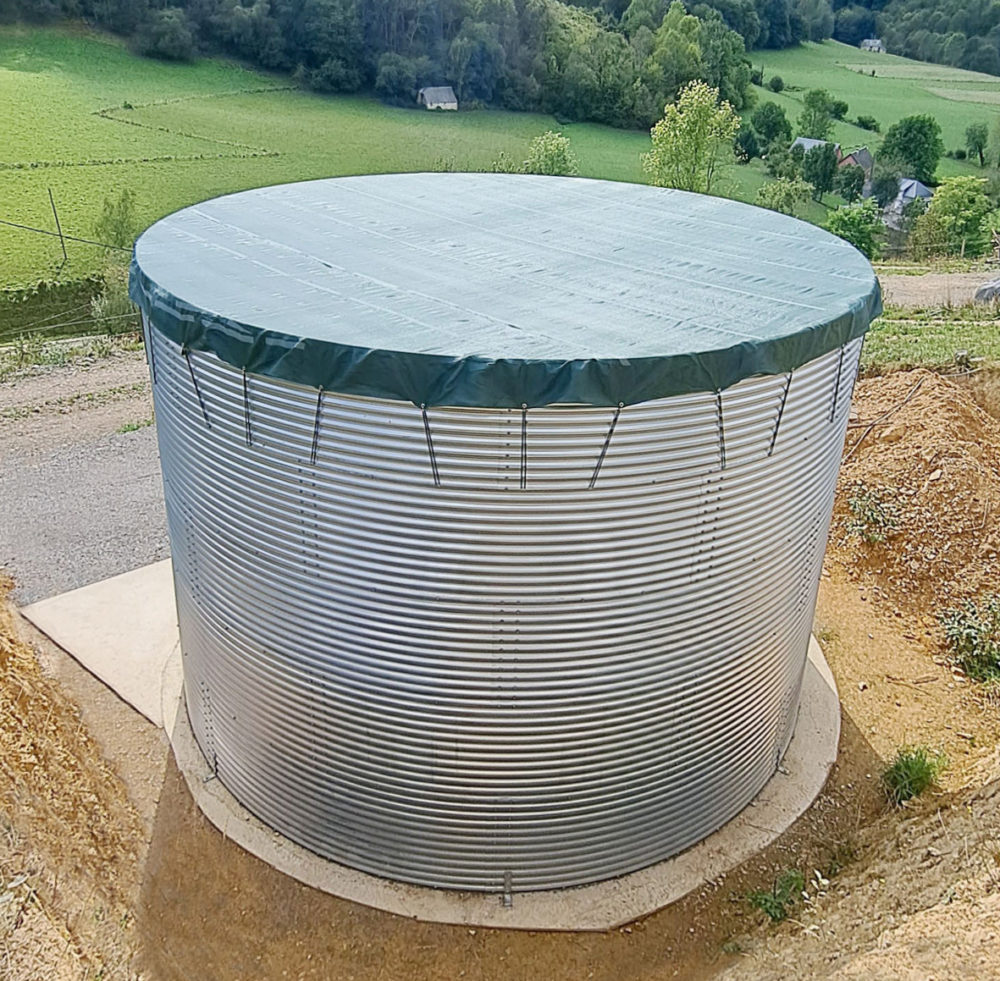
x=874, y=513
x=133, y=427
x=914, y=769
x=777, y=902
x=972, y=633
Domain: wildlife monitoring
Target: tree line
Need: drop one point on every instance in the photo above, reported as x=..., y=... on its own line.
x=610, y=61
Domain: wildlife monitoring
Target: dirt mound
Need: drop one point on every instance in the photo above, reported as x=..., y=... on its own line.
x=71, y=838
x=918, y=503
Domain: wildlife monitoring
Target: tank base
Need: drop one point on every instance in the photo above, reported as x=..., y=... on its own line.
x=599, y=906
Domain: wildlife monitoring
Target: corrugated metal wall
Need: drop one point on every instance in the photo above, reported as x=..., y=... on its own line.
x=492, y=646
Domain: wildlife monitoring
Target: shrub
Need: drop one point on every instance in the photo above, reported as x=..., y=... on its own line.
x=746, y=146
x=778, y=901
x=111, y=308
x=550, y=154
x=870, y=123
x=775, y=83
x=960, y=154
x=861, y=225
x=912, y=771
x=972, y=633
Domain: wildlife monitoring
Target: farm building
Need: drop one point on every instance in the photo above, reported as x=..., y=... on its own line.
x=862, y=158
x=497, y=507
x=808, y=144
x=873, y=44
x=438, y=97
x=910, y=190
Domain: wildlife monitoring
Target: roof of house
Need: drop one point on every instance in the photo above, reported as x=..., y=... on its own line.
x=910, y=187
x=807, y=143
x=862, y=157
x=438, y=93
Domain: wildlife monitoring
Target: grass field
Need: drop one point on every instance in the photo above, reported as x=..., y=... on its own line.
x=900, y=87
x=195, y=131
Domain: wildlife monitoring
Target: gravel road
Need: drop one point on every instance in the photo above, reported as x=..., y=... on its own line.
x=933, y=289
x=79, y=499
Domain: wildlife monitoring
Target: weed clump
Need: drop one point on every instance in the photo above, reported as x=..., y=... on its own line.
x=914, y=769
x=875, y=514
x=778, y=901
x=972, y=633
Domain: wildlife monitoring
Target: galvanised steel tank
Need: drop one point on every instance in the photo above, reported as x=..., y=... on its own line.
x=497, y=506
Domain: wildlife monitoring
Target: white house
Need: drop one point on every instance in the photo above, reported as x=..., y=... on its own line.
x=873, y=44
x=438, y=97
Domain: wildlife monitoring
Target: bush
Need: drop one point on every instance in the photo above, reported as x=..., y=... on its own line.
x=775, y=83
x=972, y=633
x=550, y=154
x=777, y=902
x=746, y=146
x=914, y=769
x=960, y=154
x=111, y=308
x=870, y=123
x=838, y=108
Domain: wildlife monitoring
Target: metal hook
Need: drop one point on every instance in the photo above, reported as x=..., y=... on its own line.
x=607, y=443
x=430, y=445
x=781, y=412
x=246, y=408
x=315, y=439
x=197, y=390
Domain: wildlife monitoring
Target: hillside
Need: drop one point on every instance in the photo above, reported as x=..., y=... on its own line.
x=900, y=87
x=87, y=118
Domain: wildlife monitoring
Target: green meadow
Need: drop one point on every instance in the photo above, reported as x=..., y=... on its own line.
x=900, y=87
x=85, y=118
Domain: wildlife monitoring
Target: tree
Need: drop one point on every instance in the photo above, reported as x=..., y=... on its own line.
x=816, y=19
x=550, y=154
x=783, y=194
x=770, y=123
x=915, y=141
x=167, y=35
x=886, y=174
x=869, y=123
x=849, y=182
x=977, y=137
x=746, y=146
x=860, y=224
x=957, y=218
x=838, y=108
x=695, y=133
x=775, y=83
x=118, y=224
x=819, y=166
x=815, y=122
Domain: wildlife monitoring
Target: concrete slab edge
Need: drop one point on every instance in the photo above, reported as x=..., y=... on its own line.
x=600, y=906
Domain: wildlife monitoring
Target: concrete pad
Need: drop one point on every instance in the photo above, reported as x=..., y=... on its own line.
x=123, y=630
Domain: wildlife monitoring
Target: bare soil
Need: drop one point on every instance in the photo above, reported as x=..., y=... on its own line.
x=129, y=875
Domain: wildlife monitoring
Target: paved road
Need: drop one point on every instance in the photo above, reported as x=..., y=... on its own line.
x=79, y=500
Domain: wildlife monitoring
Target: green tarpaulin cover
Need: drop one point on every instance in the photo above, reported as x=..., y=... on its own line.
x=499, y=290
